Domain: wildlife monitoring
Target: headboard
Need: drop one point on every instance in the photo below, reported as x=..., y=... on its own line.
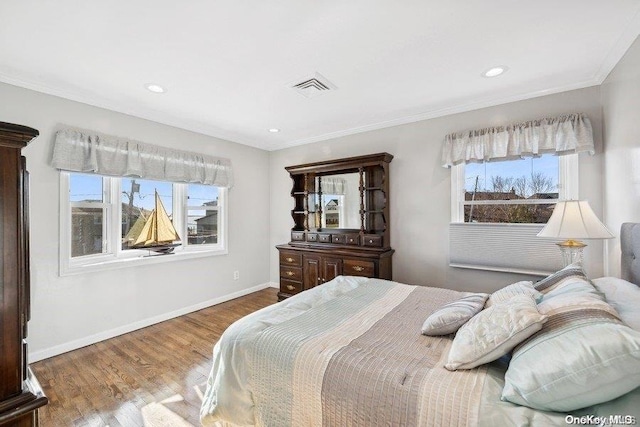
x=630, y=248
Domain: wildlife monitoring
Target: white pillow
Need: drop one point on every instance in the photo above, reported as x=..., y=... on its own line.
x=448, y=318
x=494, y=332
x=623, y=296
x=519, y=288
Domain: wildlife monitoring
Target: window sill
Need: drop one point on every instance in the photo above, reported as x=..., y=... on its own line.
x=112, y=263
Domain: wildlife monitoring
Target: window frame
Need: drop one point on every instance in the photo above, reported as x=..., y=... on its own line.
x=568, y=180
x=505, y=235
x=113, y=256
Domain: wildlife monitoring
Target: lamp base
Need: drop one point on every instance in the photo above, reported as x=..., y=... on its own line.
x=572, y=251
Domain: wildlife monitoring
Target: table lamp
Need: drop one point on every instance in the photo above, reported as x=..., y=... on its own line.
x=573, y=220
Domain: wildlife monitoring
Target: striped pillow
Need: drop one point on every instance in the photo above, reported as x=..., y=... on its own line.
x=572, y=271
x=448, y=319
x=583, y=355
x=508, y=292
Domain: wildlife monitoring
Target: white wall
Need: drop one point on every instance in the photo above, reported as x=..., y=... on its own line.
x=420, y=187
x=621, y=112
x=71, y=311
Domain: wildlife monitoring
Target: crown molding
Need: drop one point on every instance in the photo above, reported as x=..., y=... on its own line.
x=212, y=131
x=622, y=45
x=432, y=114
x=142, y=113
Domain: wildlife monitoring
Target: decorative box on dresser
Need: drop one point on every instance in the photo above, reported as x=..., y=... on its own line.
x=20, y=393
x=341, y=217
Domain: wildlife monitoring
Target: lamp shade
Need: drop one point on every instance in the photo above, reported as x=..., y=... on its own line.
x=574, y=219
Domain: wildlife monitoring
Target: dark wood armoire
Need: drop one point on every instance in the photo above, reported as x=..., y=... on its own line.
x=20, y=393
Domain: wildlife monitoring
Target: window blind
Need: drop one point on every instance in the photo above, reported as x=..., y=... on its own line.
x=502, y=247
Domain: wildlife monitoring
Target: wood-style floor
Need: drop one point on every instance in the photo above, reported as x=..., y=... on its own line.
x=108, y=383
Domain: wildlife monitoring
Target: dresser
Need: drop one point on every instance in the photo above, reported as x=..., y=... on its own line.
x=20, y=393
x=340, y=217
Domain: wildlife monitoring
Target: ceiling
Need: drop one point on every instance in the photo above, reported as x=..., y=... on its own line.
x=228, y=66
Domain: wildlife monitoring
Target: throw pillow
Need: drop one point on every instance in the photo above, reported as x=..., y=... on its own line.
x=623, y=296
x=449, y=318
x=571, y=271
x=584, y=355
x=518, y=288
x=494, y=332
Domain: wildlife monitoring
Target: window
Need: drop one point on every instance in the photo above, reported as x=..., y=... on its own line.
x=202, y=214
x=499, y=207
x=512, y=191
x=101, y=218
x=516, y=191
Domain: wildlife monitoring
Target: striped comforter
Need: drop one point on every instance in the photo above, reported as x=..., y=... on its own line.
x=350, y=353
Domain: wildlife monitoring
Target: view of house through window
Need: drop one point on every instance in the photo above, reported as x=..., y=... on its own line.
x=88, y=212
x=202, y=214
x=513, y=191
x=192, y=209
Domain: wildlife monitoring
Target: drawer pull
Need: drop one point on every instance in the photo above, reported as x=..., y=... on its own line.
x=351, y=240
x=289, y=259
x=291, y=287
x=290, y=273
x=358, y=268
x=370, y=241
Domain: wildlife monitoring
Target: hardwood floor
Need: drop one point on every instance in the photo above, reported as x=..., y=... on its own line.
x=110, y=382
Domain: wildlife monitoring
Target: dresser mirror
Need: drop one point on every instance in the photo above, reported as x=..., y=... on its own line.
x=334, y=202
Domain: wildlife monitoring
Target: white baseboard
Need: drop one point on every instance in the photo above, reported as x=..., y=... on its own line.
x=274, y=285
x=101, y=336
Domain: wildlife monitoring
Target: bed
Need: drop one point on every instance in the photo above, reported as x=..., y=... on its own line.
x=350, y=353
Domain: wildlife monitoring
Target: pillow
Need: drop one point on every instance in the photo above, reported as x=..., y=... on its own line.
x=571, y=271
x=623, y=296
x=494, y=332
x=584, y=355
x=448, y=318
x=518, y=288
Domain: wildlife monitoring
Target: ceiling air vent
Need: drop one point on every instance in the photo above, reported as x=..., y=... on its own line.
x=312, y=86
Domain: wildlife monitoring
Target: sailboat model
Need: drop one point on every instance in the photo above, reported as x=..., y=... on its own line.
x=158, y=233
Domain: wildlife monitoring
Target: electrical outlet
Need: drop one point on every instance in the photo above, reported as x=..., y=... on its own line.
x=236, y=275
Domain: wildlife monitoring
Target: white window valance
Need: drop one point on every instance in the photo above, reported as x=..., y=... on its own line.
x=90, y=152
x=336, y=186
x=561, y=135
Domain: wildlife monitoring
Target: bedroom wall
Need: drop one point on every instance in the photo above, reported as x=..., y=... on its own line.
x=621, y=108
x=420, y=187
x=73, y=311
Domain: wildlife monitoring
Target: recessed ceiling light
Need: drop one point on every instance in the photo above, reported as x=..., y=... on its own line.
x=495, y=71
x=152, y=87
x=274, y=130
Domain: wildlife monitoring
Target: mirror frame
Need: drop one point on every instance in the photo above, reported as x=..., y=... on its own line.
x=373, y=171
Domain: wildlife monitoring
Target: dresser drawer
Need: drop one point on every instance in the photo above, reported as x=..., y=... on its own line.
x=291, y=273
x=338, y=238
x=293, y=259
x=372, y=240
x=290, y=287
x=324, y=237
x=312, y=237
x=297, y=236
x=356, y=267
x=352, y=239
